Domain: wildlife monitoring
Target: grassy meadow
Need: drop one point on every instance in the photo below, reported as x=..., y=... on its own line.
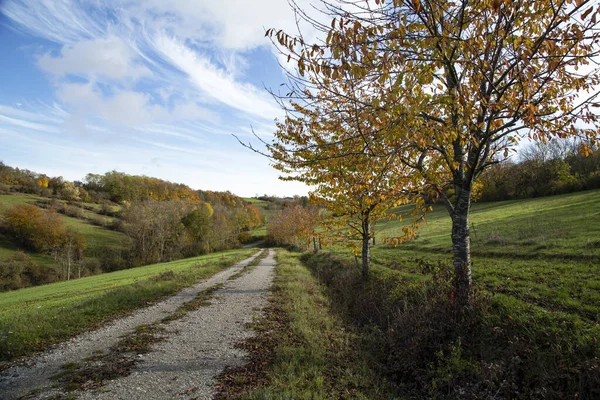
x=543, y=251
x=33, y=318
x=536, y=273
x=97, y=238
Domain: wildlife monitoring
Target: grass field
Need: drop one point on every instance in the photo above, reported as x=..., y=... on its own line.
x=97, y=238
x=32, y=318
x=536, y=273
x=543, y=252
x=565, y=226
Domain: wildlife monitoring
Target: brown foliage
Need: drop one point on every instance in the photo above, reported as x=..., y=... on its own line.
x=35, y=228
x=293, y=227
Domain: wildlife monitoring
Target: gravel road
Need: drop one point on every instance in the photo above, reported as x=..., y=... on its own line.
x=197, y=348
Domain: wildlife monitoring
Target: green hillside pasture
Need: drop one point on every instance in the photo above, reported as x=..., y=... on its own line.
x=543, y=252
x=565, y=226
x=33, y=318
x=97, y=238
x=10, y=200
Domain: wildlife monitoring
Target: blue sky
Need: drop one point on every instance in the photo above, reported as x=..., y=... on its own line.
x=146, y=87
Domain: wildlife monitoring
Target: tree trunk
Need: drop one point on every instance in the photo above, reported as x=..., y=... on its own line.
x=461, y=249
x=366, y=256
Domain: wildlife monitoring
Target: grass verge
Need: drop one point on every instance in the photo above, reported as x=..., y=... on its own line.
x=33, y=318
x=302, y=350
x=504, y=348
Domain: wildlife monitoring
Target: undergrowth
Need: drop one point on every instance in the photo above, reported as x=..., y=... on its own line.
x=502, y=348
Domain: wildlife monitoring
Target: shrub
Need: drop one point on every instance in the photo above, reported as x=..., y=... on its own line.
x=245, y=237
x=73, y=211
x=21, y=271
x=35, y=228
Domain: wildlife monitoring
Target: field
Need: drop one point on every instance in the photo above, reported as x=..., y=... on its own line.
x=558, y=226
x=32, y=318
x=536, y=273
x=97, y=238
x=544, y=251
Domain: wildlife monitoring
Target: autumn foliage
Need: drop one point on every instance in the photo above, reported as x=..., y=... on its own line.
x=446, y=88
x=37, y=229
x=293, y=227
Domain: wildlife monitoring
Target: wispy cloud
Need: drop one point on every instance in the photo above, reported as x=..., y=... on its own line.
x=171, y=75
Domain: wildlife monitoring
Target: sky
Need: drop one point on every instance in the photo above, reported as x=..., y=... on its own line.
x=145, y=87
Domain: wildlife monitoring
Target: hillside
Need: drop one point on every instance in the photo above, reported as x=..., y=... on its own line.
x=99, y=239
x=52, y=229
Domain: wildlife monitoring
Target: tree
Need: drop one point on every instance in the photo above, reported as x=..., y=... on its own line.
x=156, y=228
x=357, y=183
x=467, y=79
x=69, y=253
x=38, y=229
x=69, y=192
x=294, y=226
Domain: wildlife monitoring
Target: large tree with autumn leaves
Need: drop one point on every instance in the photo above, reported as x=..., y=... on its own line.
x=455, y=85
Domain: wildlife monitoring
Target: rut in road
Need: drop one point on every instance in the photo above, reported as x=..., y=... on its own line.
x=197, y=348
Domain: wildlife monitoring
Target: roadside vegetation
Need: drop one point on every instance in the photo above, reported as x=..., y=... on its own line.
x=33, y=318
x=303, y=349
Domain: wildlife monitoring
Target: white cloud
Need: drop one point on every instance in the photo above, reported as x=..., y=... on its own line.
x=106, y=57
x=216, y=82
x=173, y=74
x=62, y=21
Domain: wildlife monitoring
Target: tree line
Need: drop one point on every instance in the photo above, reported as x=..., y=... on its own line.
x=542, y=170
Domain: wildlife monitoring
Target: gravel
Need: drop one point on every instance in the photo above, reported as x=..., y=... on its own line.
x=198, y=347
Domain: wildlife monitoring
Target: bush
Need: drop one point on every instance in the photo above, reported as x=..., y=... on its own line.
x=35, y=228
x=114, y=260
x=73, y=211
x=21, y=271
x=245, y=238
x=91, y=266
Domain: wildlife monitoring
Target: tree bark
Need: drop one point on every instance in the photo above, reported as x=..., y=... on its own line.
x=461, y=249
x=366, y=256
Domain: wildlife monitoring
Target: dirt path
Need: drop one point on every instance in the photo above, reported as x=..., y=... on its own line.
x=198, y=346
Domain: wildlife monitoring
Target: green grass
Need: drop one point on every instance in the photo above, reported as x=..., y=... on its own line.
x=566, y=226
x=10, y=200
x=97, y=238
x=548, y=253
x=32, y=318
x=317, y=358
